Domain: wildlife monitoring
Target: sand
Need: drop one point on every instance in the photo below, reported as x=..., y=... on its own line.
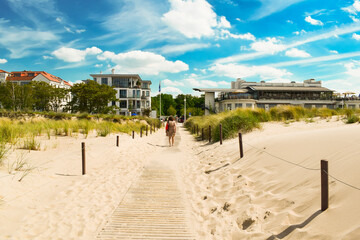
x=263, y=197
x=257, y=197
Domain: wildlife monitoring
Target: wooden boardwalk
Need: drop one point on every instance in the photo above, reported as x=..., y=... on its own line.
x=153, y=208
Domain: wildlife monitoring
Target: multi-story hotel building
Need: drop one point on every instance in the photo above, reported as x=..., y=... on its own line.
x=25, y=77
x=244, y=94
x=133, y=94
x=3, y=75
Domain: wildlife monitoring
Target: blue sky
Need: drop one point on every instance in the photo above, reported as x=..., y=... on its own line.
x=186, y=43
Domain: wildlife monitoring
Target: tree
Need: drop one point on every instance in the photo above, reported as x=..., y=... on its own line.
x=166, y=101
x=42, y=94
x=15, y=97
x=58, y=98
x=92, y=97
x=171, y=111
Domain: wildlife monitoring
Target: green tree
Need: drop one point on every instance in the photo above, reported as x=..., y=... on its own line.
x=92, y=97
x=171, y=111
x=58, y=98
x=42, y=94
x=15, y=97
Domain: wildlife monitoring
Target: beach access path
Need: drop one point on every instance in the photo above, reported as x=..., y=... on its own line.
x=154, y=206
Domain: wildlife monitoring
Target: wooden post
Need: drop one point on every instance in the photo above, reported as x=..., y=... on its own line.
x=117, y=141
x=209, y=133
x=83, y=158
x=241, y=146
x=324, y=185
x=221, y=137
x=146, y=130
x=133, y=134
x=150, y=129
x=141, y=132
x=202, y=134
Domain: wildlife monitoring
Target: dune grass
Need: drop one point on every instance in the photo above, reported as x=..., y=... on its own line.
x=245, y=120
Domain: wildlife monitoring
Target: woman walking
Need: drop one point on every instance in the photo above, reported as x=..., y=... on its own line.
x=171, y=130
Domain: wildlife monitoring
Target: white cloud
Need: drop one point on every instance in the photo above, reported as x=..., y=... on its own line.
x=58, y=19
x=334, y=51
x=354, y=18
x=269, y=7
x=75, y=55
x=68, y=29
x=98, y=65
x=289, y=21
x=353, y=69
x=23, y=41
x=299, y=32
x=170, y=83
x=356, y=36
x=80, y=30
x=193, y=18
x=268, y=46
x=312, y=21
x=239, y=20
x=47, y=57
x=3, y=60
x=352, y=9
x=294, y=52
x=201, y=83
x=171, y=90
x=143, y=62
x=247, y=36
x=172, y=49
x=243, y=71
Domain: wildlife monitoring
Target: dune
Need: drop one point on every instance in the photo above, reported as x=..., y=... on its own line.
x=273, y=192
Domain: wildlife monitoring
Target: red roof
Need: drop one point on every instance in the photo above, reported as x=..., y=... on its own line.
x=24, y=76
x=2, y=71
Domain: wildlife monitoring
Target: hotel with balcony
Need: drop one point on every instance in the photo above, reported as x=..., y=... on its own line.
x=243, y=94
x=133, y=94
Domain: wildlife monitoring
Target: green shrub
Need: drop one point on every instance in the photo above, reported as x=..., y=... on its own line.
x=352, y=119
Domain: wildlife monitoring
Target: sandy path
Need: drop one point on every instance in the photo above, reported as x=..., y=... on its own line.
x=154, y=206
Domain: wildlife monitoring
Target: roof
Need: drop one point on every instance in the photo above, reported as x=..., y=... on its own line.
x=295, y=88
x=218, y=90
x=2, y=71
x=115, y=75
x=24, y=76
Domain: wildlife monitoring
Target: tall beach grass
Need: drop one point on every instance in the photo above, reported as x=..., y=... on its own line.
x=245, y=120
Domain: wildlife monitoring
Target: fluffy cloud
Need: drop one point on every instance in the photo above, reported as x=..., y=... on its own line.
x=356, y=36
x=3, y=60
x=247, y=36
x=354, y=8
x=312, y=21
x=294, y=52
x=168, y=82
x=353, y=69
x=143, y=62
x=194, y=18
x=75, y=55
x=243, y=71
x=171, y=90
x=269, y=46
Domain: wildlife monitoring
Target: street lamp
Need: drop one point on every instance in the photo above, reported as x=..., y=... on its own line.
x=185, y=109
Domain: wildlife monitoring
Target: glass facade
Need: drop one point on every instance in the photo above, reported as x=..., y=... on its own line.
x=122, y=93
x=123, y=104
x=121, y=82
x=104, y=81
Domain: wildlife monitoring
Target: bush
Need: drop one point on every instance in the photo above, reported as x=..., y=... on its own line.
x=352, y=119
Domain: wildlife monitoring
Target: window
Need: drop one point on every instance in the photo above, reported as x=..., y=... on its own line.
x=137, y=104
x=147, y=104
x=120, y=82
x=138, y=93
x=238, y=105
x=95, y=79
x=228, y=106
x=123, y=104
x=31, y=74
x=113, y=103
x=17, y=74
x=249, y=105
x=122, y=94
x=147, y=93
x=104, y=81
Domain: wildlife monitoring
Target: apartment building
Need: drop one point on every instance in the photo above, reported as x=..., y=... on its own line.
x=133, y=94
x=25, y=77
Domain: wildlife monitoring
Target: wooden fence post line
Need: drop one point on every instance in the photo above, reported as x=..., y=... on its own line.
x=83, y=158
x=133, y=134
x=324, y=185
x=221, y=136
x=141, y=132
x=209, y=133
x=146, y=130
x=202, y=134
x=117, y=141
x=241, y=146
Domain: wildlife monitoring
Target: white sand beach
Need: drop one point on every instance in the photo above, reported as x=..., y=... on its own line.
x=256, y=197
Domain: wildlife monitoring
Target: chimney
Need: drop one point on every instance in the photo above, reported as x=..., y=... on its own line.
x=113, y=71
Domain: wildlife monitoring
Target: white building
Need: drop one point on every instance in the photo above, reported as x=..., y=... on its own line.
x=3, y=75
x=133, y=94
